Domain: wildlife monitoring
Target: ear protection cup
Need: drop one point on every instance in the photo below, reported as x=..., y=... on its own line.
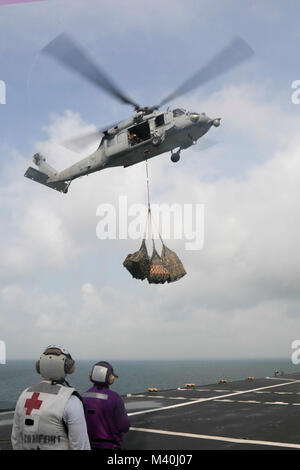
x=68, y=362
x=102, y=372
x=110, y=379
x=69, y=365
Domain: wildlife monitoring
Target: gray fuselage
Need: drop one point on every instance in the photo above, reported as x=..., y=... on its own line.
x=140, y=138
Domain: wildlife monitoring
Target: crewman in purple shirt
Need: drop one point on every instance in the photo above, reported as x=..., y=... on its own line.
x=105, y=412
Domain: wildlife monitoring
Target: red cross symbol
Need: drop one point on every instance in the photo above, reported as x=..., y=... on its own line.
x=33, y=403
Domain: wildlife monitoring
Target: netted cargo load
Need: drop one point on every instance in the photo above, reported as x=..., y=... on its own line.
x=138, y=263
x=158, y=273
x=172, y=263
x=158, y=269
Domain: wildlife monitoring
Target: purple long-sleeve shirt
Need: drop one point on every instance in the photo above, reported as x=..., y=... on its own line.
x=106, y=417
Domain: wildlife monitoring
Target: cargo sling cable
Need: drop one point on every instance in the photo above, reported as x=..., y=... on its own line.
x=158, y=269
x=158, y=273
x=167, y=267
x=150, y=217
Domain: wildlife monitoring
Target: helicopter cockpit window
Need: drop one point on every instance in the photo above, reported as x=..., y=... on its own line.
x=178, y=112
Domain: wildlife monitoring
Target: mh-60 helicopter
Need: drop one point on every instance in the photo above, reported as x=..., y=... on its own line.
x=148, y=132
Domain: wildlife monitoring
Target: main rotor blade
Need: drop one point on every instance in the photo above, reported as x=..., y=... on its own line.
x=81, y=141
x=235, y=53
x=65, y=51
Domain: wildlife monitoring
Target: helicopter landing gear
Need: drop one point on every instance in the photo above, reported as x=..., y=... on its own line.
x=175, y=157
x=65, y=190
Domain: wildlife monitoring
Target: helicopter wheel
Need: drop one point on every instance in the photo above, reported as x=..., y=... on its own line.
x=175, y=157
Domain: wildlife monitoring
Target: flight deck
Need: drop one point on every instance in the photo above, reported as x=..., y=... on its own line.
x=253, y=413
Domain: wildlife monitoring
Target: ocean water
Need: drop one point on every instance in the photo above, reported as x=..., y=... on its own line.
x=137, y=376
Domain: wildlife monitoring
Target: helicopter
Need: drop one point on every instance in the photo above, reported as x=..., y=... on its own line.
x=148, y=132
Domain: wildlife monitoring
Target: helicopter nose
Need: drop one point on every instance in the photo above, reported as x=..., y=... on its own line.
x=203, y=119
x=194, y=117
x=216, y=122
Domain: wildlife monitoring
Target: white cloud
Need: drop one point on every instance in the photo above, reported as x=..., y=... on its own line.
x=124, y=327
x=246, y=275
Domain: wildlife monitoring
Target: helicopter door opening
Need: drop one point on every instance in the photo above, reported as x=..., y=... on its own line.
x=160, y=120
x=139, y=133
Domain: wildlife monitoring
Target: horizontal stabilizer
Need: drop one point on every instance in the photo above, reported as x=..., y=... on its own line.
x=40, y=177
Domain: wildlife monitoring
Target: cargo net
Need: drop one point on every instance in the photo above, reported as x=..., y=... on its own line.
x=157, y=269
x=138, y=263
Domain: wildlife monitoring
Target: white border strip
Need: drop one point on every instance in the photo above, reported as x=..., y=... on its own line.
x=6, y=422
x=218, y=438
x=277, y=378
x=2, y=413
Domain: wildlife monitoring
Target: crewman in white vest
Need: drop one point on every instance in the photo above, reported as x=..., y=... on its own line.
x=50, y=415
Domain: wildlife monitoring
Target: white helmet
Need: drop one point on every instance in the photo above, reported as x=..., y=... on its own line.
x=101, y=372
x=55, y=363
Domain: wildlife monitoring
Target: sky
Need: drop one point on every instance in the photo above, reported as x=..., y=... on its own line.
x=60, y=283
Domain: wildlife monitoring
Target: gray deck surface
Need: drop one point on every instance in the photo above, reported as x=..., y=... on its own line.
x=248, y=414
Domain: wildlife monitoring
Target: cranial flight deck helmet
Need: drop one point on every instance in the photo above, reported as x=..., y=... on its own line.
x=55, y=363
x=101, y=372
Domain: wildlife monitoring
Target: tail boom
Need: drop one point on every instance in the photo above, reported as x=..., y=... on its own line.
x=39, y=177
x=46, y=175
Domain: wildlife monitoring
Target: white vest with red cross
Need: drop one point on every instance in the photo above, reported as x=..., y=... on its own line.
x=40, y=416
